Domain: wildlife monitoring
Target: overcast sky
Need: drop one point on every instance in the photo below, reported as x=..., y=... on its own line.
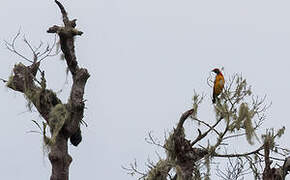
x=146, y=58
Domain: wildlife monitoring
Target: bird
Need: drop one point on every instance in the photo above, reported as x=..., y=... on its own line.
x=218, y=84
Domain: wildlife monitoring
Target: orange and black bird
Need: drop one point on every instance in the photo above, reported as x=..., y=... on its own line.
x=218, y=84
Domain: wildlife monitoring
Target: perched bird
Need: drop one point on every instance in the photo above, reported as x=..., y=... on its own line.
x=218, y=84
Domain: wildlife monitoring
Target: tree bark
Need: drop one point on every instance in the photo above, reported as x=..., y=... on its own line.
x=60, y=159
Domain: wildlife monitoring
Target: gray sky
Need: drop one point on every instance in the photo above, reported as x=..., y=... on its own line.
x=145, y=58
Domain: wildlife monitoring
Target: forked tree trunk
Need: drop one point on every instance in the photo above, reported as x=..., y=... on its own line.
x=59, y=157
x=63, y=119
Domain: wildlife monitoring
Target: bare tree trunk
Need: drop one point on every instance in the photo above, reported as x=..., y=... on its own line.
x=60, y=159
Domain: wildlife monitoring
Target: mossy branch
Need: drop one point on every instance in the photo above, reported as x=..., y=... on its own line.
x=241, y=114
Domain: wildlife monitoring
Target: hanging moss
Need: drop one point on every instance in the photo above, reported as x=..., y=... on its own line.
x=270, y=136
x=17, y=67
x=40, y=97
x=46, y=139
x=250, y=131
x=281, y=131
x=243, y=111
x=222, y=110
x=170, y=145
x=160, y=171
x=57, y=118
x=244, y=120
x=10, y=82
x=197, y=99
x=32, y=97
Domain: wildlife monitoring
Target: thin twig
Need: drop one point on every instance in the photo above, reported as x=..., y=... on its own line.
x=205, y=134
x=206, y=124
x=239, y=155
x=11, y=47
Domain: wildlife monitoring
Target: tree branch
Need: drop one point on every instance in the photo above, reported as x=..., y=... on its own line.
x=201, y=136
x=239, y=155
x=80, y=75
x=206, y=124
x=63, y=12
x=182, y=119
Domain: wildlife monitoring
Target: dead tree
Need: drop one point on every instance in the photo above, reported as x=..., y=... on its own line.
x=239, y=115
x=63, y=119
